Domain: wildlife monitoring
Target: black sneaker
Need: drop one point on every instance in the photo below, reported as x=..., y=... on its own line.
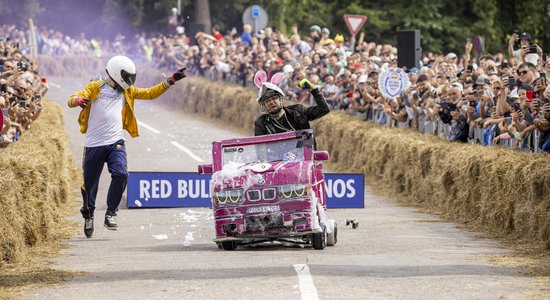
x=89, y=227
x=110, y=222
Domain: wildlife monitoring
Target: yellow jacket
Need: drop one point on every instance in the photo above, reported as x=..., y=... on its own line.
x=129, y=122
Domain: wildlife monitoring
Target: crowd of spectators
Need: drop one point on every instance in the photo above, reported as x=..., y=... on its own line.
x=477, y=98
x=21, y=92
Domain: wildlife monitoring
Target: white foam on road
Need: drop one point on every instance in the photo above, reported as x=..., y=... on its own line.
x=187, y=151
x=160, y=236
x=307, y=288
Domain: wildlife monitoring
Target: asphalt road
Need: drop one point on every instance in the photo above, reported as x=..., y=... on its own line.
x=395, y=253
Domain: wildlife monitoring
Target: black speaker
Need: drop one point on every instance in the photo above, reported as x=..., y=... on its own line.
x=409, y=50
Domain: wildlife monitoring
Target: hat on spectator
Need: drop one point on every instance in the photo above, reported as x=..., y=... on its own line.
x=451, y=55
x=362, y=79
x=288, y=69
x=525, y=36
x=315, y=28
x=414, y=70
x=481, y=80
x=278, y=60
x=325, y=30
x=339, y=38
x=457, y=85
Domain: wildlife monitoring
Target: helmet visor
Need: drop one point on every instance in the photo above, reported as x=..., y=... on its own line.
x=128, y=78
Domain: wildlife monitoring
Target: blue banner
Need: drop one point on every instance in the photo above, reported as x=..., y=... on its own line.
x=180, y=189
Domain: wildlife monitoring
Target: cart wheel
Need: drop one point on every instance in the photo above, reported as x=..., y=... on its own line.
x=332, y=237
x=229, y=245
x=319, y=239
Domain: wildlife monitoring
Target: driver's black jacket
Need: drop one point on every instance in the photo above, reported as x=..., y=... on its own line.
x=298, y=115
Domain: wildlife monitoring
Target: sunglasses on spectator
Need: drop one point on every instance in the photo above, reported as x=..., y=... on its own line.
x=523, y=72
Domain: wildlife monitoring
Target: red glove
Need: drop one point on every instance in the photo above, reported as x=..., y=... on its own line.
x=81, y=102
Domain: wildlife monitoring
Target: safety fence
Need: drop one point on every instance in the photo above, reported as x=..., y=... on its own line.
x=477, y=135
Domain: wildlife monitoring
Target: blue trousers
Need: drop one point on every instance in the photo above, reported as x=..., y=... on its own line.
x=92, y=164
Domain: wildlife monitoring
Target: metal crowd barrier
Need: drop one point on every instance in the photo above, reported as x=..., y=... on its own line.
x=529, y=143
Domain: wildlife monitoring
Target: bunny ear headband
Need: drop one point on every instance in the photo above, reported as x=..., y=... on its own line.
x=260, y=80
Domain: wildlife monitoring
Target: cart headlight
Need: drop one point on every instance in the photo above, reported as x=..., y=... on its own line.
x=294, y=190
x=228, y=195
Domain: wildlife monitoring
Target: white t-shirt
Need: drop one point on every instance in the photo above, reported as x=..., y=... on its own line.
x=105, y=122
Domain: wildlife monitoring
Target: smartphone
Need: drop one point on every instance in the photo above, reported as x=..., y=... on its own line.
x=470, y=68
x=3, y=88
x=5, y=112
x=473, y=103
x=529, y=118
x=516, y=107
x=529, y=94
x=23, y=103
x=508, y=121
x=533, y=49
x=415, y=96
x=511, y=82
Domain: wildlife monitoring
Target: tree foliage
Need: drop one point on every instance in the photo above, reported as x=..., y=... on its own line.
x=444, y=24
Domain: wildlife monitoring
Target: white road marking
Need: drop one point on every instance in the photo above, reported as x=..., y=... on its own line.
x=55, y=85
x=178, y=145
x=148, y=127
x=187, y=151
x=307, y=288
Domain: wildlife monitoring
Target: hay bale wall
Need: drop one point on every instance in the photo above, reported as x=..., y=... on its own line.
x=498, y=191
x=75, y=66
x=35, y=183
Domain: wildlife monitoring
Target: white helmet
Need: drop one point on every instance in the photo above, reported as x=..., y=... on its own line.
x=122, y=70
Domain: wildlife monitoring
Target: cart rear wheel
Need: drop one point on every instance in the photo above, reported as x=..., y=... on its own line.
x=332, y=237
x=319, y=239
x=229, y=245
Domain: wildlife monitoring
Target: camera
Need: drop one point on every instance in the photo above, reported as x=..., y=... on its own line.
x=514, y=105
x=470, y=68
x=22, y=66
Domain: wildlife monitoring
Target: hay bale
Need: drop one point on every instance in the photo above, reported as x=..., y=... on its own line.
x=75, y=66
x=37, y=174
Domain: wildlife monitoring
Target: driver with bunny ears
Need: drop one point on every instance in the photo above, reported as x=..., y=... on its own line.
x=277, y=118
